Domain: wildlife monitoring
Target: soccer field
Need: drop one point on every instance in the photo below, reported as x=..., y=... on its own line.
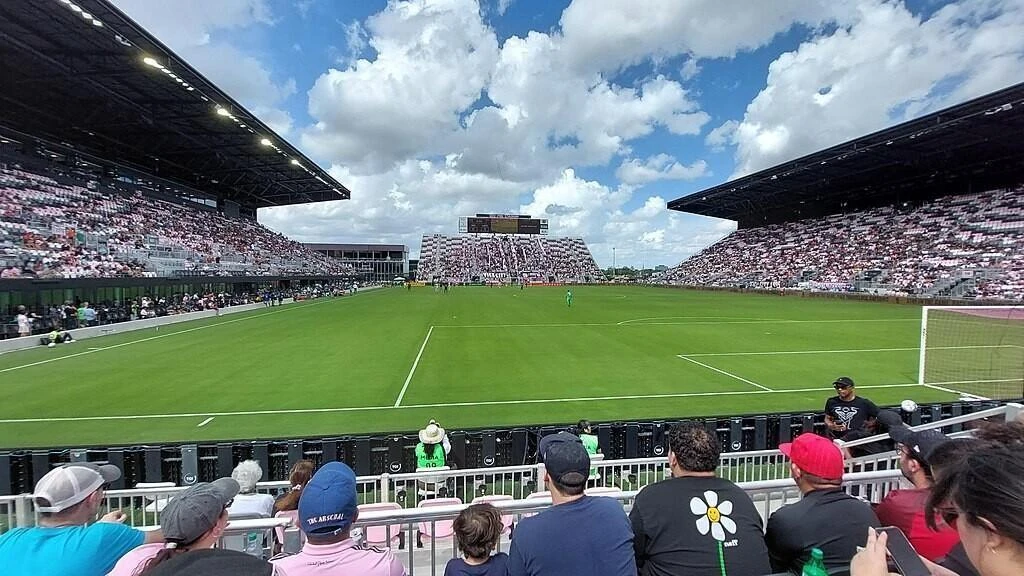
x=391, y=359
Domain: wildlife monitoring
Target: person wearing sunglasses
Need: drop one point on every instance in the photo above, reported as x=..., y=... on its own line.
x=984, y=498
x=195, y=519
x=904, y=508
x=846, y=412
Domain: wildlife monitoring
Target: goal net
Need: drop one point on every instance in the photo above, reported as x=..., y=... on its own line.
x=977, y=351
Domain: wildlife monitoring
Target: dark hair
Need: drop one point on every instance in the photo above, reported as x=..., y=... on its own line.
x=696, y=449
x=1002, y=433
x=988, y=484
x=300, y=475
x=568, y=490
x=162, y=556
x=583, y=427
x=815, y=480
x=478, y=529
x=430, y=449
x=949, y=454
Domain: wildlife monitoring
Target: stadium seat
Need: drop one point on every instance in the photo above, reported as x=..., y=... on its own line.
x=441, y=529
x=378, y=535
x=251, y=543
x=507, y=520
x=292, y=515
x=430, y=486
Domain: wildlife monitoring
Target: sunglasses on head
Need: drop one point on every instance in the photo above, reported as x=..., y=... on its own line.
x=949, y=516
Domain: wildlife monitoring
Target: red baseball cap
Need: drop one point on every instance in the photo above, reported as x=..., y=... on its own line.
x=815, y=455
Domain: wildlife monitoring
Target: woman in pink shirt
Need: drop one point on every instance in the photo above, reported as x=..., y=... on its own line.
x=193, y=520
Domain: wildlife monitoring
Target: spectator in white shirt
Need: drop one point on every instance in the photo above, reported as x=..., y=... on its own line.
x=248, y=502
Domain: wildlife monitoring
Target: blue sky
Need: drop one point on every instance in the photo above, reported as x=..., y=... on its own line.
x=592, y=113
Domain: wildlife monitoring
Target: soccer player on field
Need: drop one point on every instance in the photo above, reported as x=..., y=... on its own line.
x=568, y=298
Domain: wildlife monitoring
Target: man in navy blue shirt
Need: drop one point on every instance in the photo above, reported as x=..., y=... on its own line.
x=579, y=534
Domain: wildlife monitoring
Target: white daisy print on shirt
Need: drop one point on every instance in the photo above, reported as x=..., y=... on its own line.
x=713, y=515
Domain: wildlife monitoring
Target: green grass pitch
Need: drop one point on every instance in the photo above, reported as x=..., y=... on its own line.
x=493, y=357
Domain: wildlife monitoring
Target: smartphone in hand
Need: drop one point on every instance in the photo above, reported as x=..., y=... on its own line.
x=907, y=562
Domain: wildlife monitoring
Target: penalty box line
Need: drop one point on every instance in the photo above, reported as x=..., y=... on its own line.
x=412, y=370
x=724, y=373
x=437, y=405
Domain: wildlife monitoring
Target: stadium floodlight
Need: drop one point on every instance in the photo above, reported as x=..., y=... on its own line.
x=86, y=15
x=74, y=7
x=296, y=162
x=96, y=22
x=150, y=61
x=266, y=142
x=223, y=111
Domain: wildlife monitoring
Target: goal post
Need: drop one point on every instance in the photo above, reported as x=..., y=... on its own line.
x=977, y=351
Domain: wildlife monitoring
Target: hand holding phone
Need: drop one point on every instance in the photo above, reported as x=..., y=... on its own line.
x=908, y=563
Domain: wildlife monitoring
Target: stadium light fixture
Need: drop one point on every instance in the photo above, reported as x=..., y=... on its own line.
x=223, y=111
x=74, y=7
x=96, y=22
x=86, y=15
x=296, y=163
x=266, y=142
x=150, y=61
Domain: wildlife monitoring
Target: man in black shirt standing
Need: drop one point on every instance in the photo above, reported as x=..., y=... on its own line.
x=846, y=412
x=695, y=522
x=825, y=517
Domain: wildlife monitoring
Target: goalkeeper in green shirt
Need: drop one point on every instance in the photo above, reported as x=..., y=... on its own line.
x=568, y=298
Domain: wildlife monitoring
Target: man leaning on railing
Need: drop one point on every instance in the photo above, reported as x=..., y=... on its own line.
x=65, y=543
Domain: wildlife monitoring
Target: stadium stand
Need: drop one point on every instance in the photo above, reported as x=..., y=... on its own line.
x=506, y=258
x=962, y=246
x=61, y=226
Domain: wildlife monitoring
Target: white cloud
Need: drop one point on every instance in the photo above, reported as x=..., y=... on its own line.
x=659, y=167
x=721, y=135
x=503, y=6
x=608, y=34
x=883, y=68
x=433, y=61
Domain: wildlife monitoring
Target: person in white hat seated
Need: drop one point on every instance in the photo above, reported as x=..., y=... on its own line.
x=66, y=541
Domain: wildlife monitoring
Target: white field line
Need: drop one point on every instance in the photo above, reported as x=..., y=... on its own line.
x=951, y=391
x=566, y=325
x=632, y=320
x=729, y=374
x=448, y=404
x=412, y=370
x=168, y=334
x=851, y=350
x=205, y=422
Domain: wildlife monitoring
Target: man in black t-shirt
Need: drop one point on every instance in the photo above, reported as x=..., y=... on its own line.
x=846, y=411
x=695, y=522
x=825, y=517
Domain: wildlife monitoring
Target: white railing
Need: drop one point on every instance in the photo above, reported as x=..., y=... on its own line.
x=401, y=529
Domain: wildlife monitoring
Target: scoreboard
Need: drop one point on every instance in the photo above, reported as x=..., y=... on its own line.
x=503, y=224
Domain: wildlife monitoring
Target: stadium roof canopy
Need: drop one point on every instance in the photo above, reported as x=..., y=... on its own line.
x=971, y=147
x=83, y=75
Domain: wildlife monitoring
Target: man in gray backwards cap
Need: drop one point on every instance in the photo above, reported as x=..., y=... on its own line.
x=193, y=520
x=65, y=541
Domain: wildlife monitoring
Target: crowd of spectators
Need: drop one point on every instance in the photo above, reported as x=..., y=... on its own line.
x=968, y=246
x=72, y=228
x=83, y=314
x=964, y=515
x=506, y=258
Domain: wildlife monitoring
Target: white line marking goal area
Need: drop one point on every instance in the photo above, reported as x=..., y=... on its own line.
x=412, y=370
x=729, y=374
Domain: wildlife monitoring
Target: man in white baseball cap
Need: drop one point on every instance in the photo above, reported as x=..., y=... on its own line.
x=64, y=542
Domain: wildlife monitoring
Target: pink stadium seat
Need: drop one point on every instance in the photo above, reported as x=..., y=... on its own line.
x=378, y=535
x=442, y=529
x=506, y=519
